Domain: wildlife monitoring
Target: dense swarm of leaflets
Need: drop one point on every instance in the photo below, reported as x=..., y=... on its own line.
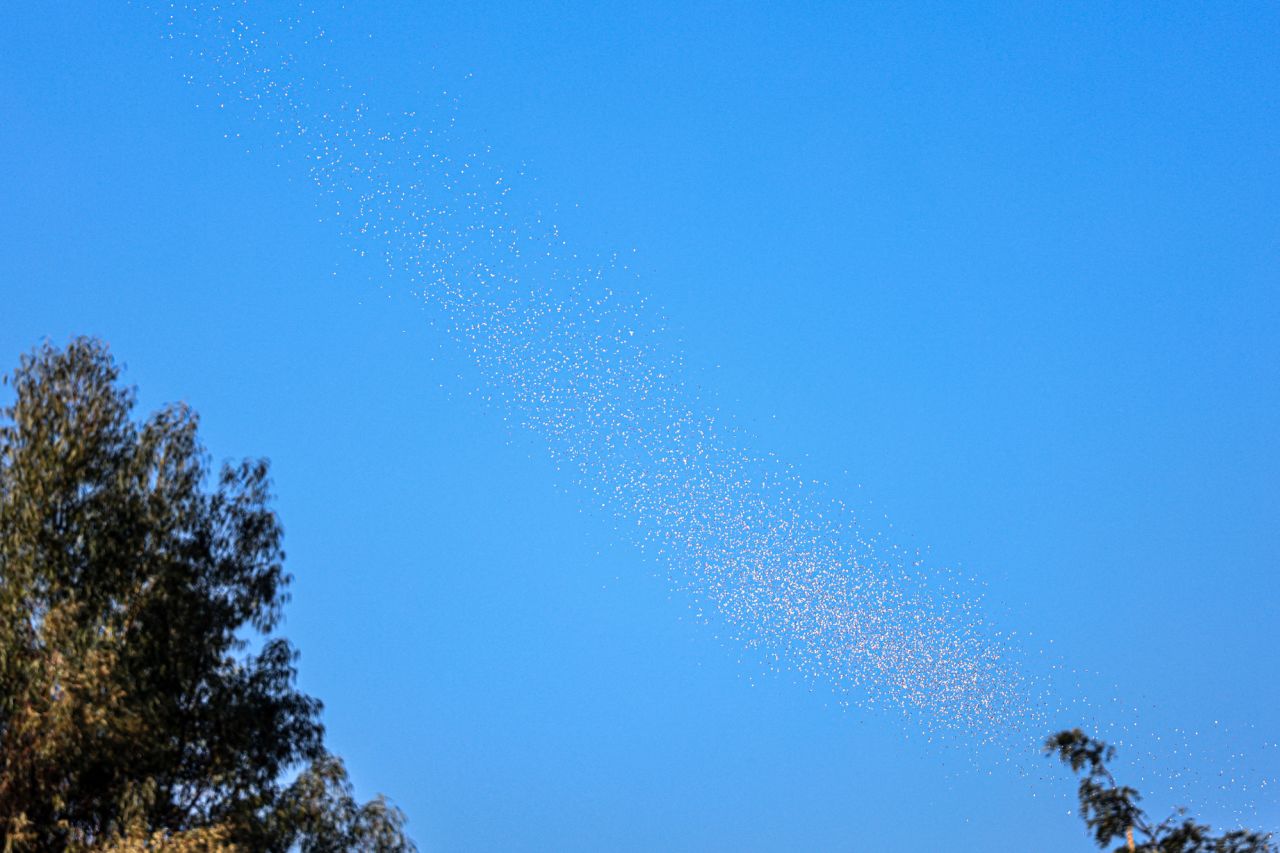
x=1112, y=814
x=132, y=713
x=567, y=351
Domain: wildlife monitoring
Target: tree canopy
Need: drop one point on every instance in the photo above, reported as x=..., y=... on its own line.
x=146, y=701
x=1112, y=814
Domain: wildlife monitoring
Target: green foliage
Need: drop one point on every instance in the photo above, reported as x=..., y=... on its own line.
x=133, y=715
x=1111, y=811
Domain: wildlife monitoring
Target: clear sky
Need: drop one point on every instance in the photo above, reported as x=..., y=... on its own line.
x=1010, y=273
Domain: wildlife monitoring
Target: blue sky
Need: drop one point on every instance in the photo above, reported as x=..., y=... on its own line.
x=1009, y=273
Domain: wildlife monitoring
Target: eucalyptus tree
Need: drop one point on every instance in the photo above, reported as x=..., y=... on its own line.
x=146, y=699
x=1112, y=814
